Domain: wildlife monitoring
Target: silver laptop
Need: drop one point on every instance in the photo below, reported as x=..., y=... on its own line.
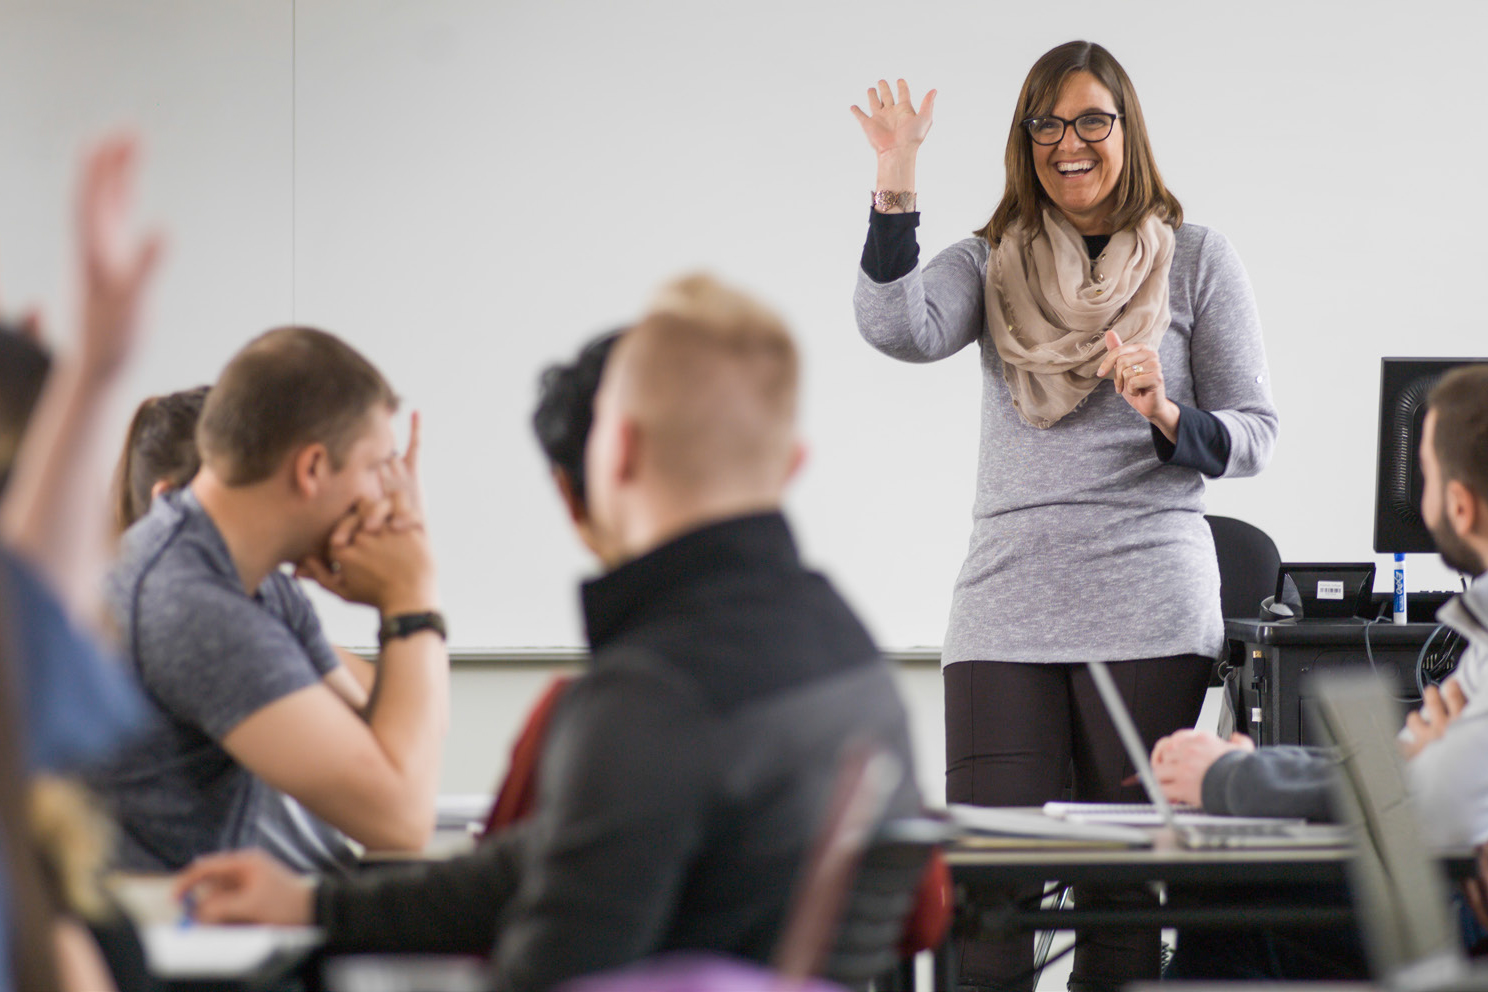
x=1399, y=891
x=1207, y=831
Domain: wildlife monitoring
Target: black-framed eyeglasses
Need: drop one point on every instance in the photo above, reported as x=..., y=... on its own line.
x=1049, y=130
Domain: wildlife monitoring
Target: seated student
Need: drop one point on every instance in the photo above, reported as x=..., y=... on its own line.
x=61, y=702
x=298, y=466
x=564, y=415
x=1449, y=737
x=160, y=456
x=1444, y=742
x=684, y=774
x=563, y=420
x=159, y=452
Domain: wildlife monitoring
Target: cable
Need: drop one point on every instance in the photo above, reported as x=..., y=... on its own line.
x=1037, y=971
x=1061, y=895
x=1421, y=660
x=1444, y=657
x=1369, y=654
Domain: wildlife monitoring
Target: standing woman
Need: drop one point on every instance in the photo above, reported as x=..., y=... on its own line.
x=1089, y=540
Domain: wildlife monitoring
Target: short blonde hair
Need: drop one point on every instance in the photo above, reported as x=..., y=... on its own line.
x=711, y=376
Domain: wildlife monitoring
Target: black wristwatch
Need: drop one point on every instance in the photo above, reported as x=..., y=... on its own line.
x=404, y=624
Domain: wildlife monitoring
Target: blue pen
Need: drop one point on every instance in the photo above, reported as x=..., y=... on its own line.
x=188, y=909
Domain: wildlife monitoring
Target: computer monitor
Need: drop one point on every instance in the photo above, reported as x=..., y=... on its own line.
x=1404, y=385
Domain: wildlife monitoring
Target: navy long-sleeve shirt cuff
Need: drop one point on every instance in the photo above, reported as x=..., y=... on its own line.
x=891, y=251
x=1203, y=442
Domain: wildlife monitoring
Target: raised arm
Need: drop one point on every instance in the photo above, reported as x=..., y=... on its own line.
x=907, y=314
x=54, y=512
x=896, y=130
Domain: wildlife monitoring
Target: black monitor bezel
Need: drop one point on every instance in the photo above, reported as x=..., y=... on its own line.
x=1405, y=383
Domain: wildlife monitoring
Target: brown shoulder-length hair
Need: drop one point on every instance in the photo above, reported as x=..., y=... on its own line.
x=160, y=446
x=1139, y=188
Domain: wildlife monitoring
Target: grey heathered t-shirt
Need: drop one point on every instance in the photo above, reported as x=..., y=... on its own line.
x=1084, y=546
x=208, y=655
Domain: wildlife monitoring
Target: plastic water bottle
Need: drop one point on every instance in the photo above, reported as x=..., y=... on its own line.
x=1399, y=587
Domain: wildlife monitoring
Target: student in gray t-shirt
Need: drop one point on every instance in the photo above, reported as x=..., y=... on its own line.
x=210, y=656
x=298, y=467
x=160, y=456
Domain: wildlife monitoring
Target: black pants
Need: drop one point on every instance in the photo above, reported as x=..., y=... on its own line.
x=1013, y=734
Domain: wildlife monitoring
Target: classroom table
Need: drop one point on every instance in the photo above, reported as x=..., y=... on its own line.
x=1011, y=861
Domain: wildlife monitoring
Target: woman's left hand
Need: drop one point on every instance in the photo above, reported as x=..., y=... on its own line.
x=1137, y=373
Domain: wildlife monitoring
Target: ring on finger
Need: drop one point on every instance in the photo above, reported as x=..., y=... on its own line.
x=1137, y=369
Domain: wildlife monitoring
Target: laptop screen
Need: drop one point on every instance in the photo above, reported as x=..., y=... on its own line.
x=1400, y=892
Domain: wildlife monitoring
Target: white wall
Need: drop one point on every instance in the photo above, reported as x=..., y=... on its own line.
x=468, y=189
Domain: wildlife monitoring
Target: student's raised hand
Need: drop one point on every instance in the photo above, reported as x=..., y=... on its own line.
x=1439, y=707
x=1180, y=761
x=892, y=125
x=115, y=266
x=244, y=887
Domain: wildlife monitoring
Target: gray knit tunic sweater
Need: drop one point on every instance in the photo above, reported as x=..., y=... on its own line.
x=1084, y=546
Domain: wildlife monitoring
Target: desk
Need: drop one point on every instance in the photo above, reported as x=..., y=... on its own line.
x=1279, y=657
x=972, y=862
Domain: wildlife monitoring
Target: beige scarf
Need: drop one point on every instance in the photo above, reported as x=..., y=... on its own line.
x=1049, y=306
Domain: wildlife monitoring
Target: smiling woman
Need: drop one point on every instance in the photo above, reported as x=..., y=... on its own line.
x=1089, y=541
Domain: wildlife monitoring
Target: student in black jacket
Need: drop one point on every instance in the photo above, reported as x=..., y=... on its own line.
x=685, y=773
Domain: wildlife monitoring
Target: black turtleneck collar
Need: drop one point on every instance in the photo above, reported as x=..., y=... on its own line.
x=730, y=605
x=713, y=551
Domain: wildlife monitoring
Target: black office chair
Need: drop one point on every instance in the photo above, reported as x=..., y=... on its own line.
x=1248, y=565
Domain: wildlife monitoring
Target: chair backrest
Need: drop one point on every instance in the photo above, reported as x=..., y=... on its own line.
x=517, y=794
x=891, y=874
x=860, y=880
x=866, y=781
x=1248, y=563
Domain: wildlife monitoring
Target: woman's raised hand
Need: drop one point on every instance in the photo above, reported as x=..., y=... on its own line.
x=1137, y=372
x=892, y=124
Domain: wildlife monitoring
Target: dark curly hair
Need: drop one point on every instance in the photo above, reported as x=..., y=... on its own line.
x=565, y=408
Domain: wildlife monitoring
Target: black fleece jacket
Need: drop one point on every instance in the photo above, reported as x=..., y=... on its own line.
x=681, y=782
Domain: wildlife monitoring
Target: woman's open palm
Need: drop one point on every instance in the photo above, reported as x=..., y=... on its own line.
x=892, y=123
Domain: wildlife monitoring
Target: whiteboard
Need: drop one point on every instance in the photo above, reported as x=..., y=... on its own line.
x=467, y=190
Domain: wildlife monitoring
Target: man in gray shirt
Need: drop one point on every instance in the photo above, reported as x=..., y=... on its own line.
x=1446, y=739
x=298, y=467
x=1444, y=742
